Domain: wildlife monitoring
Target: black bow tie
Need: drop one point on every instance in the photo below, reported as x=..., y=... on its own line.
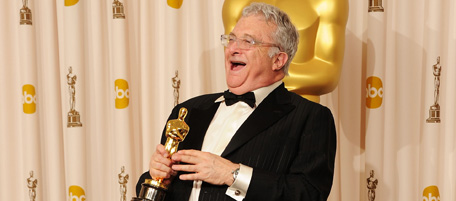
x=231, y=98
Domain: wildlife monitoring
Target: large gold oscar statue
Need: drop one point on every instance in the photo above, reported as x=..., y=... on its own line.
x=316, y=68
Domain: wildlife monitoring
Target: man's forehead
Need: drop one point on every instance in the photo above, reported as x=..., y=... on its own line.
x=254, y=26
x=245, y=35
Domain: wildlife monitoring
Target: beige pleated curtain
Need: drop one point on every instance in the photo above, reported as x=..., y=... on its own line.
x=87, y=86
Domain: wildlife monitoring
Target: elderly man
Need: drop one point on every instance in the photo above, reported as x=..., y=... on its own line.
x=255, y=141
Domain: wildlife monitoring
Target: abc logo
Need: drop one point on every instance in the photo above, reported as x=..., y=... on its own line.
x=71, y=2
x=175, y=3
x=431, y=193
x=76, y=193
x=28, y=99
x=374, y=92
x=122, y=93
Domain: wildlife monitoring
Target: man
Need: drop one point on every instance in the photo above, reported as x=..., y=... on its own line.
x=281, y=147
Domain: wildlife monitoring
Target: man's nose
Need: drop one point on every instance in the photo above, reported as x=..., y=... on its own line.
x=233, y=47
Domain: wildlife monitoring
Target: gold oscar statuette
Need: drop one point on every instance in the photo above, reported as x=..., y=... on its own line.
x=176, y=130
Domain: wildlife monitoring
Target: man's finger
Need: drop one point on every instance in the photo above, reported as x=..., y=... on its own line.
x=185, y=168
x=158, y=174
x=163, y=160
x=161, y=149
x=192, y=176
x=186, y=158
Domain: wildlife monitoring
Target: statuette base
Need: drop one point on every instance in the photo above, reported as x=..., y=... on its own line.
x=434, y=114
x=74, y=119
x=150, y=193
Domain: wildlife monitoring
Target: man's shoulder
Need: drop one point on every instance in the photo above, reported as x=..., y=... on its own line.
x=202, y=99
x=302, y=102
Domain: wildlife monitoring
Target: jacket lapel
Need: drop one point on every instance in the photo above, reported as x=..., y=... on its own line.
x=198, y=121
x=274, y=106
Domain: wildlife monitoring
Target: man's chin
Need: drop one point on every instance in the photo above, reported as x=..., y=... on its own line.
x=238, y=87
x=234, y=82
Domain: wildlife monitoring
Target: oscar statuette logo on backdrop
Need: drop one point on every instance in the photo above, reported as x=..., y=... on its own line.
x=25, y=14
x=123, y=180
x=117, y=10
x=434, y=110
x=372, y=183
x=32, y=183
x=74, y=118
x=376, y=6
x=176, y=85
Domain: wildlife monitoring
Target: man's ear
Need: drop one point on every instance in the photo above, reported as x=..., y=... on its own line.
x=279, y=61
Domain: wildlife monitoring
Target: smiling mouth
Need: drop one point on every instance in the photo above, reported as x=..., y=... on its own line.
x=236, y=65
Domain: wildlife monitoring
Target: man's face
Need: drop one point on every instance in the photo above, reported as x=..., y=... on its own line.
x=250, y=69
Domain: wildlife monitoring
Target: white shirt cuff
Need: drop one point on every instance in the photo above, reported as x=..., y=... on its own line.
x=238, y=189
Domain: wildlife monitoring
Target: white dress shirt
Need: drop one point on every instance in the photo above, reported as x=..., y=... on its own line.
x=224, y=125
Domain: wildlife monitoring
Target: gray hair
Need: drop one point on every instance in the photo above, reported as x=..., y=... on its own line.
x=286, y=35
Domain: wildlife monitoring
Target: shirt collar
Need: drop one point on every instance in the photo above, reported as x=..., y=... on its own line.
x=260, y=94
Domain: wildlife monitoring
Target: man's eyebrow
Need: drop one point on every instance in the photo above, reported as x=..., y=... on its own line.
x=248, y=35
x=245, y=35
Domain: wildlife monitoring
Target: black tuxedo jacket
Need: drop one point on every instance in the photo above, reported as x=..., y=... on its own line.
x=289, y=142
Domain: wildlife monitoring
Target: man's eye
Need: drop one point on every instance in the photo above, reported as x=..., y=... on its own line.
x=248, y=41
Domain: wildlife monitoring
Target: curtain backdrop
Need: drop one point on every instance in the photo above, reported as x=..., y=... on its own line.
x=87, y=86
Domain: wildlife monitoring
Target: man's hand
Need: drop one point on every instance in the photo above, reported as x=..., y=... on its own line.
x=204, y=166
x=160, y=164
